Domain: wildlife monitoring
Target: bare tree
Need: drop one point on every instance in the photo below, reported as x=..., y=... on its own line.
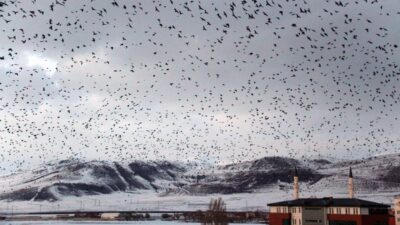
x=216, y=213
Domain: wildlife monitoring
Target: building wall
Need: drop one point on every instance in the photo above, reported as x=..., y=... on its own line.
x=375, y=220
x=279, y=209
x=360, y=219
x=297, y=215
x=392, y=220
x=279, y=218
x=397, y=210
x=364, y=211
x=314, y=215
x=341, y=217
x=330, y=216
x=346, y=210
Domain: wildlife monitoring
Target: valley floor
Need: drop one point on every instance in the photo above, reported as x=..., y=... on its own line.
x=156, y=222
x=144, y=200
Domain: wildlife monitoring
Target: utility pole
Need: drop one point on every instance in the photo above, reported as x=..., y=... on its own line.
x=81, y=206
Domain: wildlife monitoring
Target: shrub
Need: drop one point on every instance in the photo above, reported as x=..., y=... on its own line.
x=216, y=213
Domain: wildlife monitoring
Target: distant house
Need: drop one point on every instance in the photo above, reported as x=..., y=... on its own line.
x=109, y=216
x=328, y=211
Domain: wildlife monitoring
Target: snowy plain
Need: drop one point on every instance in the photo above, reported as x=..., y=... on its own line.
x=148, y=200
x=156, y=222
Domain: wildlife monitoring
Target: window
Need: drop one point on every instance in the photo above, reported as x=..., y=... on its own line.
x=334, y=222
x=313, y=209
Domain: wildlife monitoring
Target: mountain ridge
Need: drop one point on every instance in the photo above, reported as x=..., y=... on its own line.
x=73, y=177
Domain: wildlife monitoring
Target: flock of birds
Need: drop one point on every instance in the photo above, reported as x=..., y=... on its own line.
x=190, y=80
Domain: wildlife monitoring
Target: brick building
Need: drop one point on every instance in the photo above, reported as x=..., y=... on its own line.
x=328, y=211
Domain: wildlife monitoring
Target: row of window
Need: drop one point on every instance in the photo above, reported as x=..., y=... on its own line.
x=293, y=209
x=296, y=210
x=313, y=209
x=342, y=222
x=348, y=211
x=296, y=221
x=343, y=211
x=282, y=210
x=313, y=221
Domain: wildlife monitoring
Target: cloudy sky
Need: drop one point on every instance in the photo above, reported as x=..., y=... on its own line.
x=207, y=81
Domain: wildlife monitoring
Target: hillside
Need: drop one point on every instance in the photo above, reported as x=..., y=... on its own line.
x=270, y=177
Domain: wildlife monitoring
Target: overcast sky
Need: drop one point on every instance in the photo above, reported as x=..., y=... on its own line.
x=208, y=81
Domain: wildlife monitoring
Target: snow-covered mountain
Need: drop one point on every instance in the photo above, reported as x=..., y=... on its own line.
x=73, y=178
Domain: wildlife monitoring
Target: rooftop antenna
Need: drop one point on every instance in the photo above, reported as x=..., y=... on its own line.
x=296, y=184
x=351, y=184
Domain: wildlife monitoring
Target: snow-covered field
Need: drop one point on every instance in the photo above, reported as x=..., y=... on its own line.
x=148, y=200
x=156, y=222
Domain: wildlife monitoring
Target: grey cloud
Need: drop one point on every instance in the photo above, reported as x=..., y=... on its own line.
x=128, y=87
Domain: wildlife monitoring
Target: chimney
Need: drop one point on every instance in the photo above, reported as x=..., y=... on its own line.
x=350, y=184
x=296, y=184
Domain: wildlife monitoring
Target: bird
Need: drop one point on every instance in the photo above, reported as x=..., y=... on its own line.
x=191, y=80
